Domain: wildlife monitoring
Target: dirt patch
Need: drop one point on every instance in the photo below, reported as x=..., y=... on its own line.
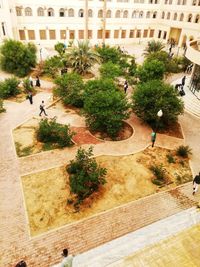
x=128, y=179
x=124, y=133
x=173, y=130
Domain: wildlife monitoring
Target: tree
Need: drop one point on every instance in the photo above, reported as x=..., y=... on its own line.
x=151, y=70
x=148, y=98
x=110, y=70
x=2, y=109
x=82, y=57
x=17, y=58
x=153, y=46
x=9, y=87
x=108, y=53
x=86, y=176
x=60, y=48
x=53, y=65
x=105, y=107
x=70, y=87
x=132, y=66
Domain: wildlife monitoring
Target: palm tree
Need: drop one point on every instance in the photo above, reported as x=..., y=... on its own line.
x=82, y=57
x=153, y=46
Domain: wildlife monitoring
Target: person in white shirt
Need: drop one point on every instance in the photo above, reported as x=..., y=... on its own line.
x=68, y=260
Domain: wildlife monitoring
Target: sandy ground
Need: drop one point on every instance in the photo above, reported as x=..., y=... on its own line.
x=128, y=178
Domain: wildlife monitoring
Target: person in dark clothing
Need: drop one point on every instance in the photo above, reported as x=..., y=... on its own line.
x=42, y=109
x=30, y=97
x=21, y=264
x=196, y=183
x=37, y=82
x=125, y=86
x=183, y=80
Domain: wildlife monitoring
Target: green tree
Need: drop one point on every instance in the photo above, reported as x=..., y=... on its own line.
x=86, y=176
x=70, y=87
x=153, y=46
x=148, y=98
x=17, y=58
x=132, y=66
x=151, y=70
x=9, y=87
x=53, y=65
x=60, y=48
x=105, y=107
x=108, y=53
x=2, y=109
x=110, y=70
x=82, y=57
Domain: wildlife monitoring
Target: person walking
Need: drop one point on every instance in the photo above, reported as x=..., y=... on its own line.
x=37, y=82
x=30, y=98
x=42, y=109
x=183, y=81
x=67, y=260
x=31, y=81
x=196, y=183
x=153, y=138
x=21, y=264
x=125, y=86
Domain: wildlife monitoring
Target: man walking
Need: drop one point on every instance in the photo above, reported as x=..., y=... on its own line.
x=125, y=86
x=42, y=109
x=153, y=138
x=30, y=98
x=67, y=260
x=196, y=183
x=183, y=81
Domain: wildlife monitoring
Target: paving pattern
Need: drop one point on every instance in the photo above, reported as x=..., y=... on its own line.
x=44, y=250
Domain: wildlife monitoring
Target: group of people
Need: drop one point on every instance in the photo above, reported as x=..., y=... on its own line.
x=180, y=86
x=37, y=84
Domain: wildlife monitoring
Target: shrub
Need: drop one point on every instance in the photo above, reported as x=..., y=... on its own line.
x=159, y=172
x=52, y=132
x=108, y=53
x=181, y=179
x=60, y=48
x=183, y=151
x=53, y=65
x=2, y=109
x=27, y=86
x=132, y=66
x=9, y=87
x=153, y=46
x=70, y=87
x=86, y=175
x=149, y=98
x=17, y=58
x=170, y=158
x=110, y=70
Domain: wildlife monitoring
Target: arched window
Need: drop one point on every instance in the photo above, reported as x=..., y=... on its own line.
x=189, y=17
x=100, y=13
x=134, y=14
x=197, y=19
x=108, y=14
x=141, y=14
x=154, y=15
x=175, y=16
x=148, y=15
x=170, y=2
x=199, y=3
x=81, y=13
x=50, y=12
x=28, y=11
x=178, y=2
x=40, y=12
x=117, y=14
x=90, y=13
x=18, y=11
x=71, y=12
x=181, y=17
x=61, y=12
x=184, y=2
x=168, y=15
x=163, y=15
x=125, y=14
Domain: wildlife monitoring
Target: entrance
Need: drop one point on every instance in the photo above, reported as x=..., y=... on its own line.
x=175, y=34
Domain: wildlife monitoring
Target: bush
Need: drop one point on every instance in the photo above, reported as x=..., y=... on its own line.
x=27, y=86
x=110, y=70
x=86, y=175
x=70, y=87
x=149, y=98
x=132, y=66
x=60, y=48
x=9, y=87
x=159, y=172
x=105, y=107
x=17, y=58
x=108, y=53
x=170, y=159
x=2, y=109
x=183, y=151
x=53, y=65
x=52, y=132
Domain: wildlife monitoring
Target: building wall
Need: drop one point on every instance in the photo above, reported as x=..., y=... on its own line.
x=127, y=21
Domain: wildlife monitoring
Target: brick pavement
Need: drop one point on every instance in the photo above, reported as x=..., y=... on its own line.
x=44, y=250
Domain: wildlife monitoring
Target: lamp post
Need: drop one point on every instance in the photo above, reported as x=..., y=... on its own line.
x=153, y=134
x=159, y=115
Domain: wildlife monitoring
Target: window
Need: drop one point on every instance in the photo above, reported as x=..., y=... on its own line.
x=131, y=35
x=154, y=15
x=50, y=12
x=3, y=28
x=138, y=34
x=199, y=3
x=151, y=33
x=28, y=11
x=170, y=2
x=159, y=33
x=71, y=34
x=148, y=15
x=90, y=34
x=125, y=14
x=178, y=2
x=52, y=34
x=90, y=13
x=168, y=15
x=166, y=2
x=117, y=14
x=62, y=12
x=194, y=2
x=181, y=17
x=145, y=34
x=175, y=16
x=197, y=19
x=163, y=15
x=40, y=12
x=189, y=17
x=100, y=13
x=81, y=13
x=108, y=14
x=22, y=35
x=43, y=35
x=70, y=12
x=18, y=11
x=116, y=34
x=134, y=14
x=100, y=34
x=107, y=34
x=141, y=14
x=81, y=34
x=164, y=35
x=184, y=2
x=62, y=34
x=31, y=34
x=123, y=34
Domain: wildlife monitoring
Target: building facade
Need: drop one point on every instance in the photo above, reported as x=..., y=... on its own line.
x=111, y=21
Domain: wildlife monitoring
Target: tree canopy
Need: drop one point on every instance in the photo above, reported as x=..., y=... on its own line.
x=151, y=70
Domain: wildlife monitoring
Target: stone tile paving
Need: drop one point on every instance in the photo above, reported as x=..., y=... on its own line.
x=44, y=250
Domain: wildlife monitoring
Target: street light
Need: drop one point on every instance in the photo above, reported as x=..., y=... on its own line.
x=153, y=134
x=160, y=113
